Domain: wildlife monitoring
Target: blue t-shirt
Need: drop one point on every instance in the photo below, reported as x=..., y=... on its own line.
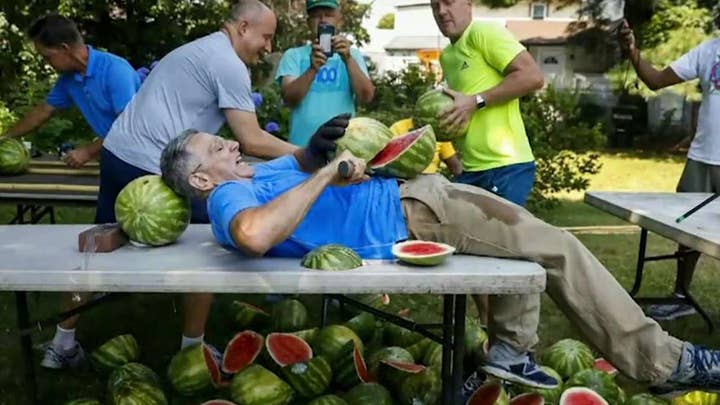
x=330, y=94
x=101, y=94
x=366, y=217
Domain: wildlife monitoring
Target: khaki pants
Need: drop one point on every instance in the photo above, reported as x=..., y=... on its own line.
x=477, y=222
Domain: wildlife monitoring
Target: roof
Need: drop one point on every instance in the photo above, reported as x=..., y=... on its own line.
x=540, y=32
x=415, y=42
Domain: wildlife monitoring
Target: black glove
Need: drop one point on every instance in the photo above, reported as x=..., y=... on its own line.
x=323, y=140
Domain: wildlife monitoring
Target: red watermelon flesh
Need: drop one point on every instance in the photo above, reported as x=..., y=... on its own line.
x=604, y=365
x=528, y=399
x=361, y=367
x=406, y=367
x=488, y=394
x=395, y=149
x=581, y=396
x=422, y=248
x=242, y=351
x=287, y=349
x=212, y=361
x=218, y=402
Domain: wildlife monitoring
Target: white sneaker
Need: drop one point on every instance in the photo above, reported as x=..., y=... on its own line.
x=57, y=358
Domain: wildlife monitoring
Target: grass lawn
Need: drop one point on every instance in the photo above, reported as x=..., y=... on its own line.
x=155, y=319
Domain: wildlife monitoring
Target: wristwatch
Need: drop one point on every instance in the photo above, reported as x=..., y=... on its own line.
x=480, y=101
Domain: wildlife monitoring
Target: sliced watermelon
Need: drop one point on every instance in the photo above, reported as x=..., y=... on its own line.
x=531, y=398
x=604, y=365
x=213, y=358
x=242, y=351
x=287, y=349
x=491, y=393
x=411, y=368
x=581, y=396
x=218, y=402
x=395, y=148
x=422, y=253
x=361, y=367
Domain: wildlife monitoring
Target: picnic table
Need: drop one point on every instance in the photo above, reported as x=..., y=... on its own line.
x=48, y=183
x=657, y=213
x=46, y=258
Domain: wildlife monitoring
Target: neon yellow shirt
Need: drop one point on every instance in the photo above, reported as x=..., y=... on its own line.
x=444, y=151
x=473, y=64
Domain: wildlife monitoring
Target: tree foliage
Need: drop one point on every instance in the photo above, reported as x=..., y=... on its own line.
x=387, y=22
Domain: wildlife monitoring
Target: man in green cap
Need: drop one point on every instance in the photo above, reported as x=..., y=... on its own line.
x=318, y=87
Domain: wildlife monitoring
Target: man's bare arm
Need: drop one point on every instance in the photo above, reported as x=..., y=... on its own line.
x=33, y=119
x=254, y=140
x=522, y=76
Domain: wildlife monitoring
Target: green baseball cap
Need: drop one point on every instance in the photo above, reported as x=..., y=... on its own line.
x=322, y=3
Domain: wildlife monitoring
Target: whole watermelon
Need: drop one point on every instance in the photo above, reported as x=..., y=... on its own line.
x=423, y=388
x=392, y=353
x=330, y=340
x=427, y=110
x=645, y=399
x=133, y=392
x=289, y=315
x=600, y=382
x=368, y=393
x=568, y=357
x=115, y=352
x=150, y=212
x=83, y=401
x=309, y=379
x=364, y=137
x=328, y=400
x=255, y=385
x=332, y=257
x=132, y=371
x=14, y=157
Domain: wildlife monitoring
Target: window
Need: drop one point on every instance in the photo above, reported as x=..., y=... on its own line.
x=538, y=11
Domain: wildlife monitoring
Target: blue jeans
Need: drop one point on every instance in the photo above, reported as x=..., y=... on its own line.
x=116, y=174
x=513, y=183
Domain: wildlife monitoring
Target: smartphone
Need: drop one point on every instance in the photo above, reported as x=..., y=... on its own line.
x=325, y=34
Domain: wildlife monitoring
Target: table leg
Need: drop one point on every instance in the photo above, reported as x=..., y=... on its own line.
x=323, y=314
x=447, y=382
x=687, y=297
x=23, y=322
x=458, y=347
x=640, y=263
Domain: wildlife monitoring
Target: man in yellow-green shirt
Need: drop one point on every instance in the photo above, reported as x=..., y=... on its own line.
x=487, y=71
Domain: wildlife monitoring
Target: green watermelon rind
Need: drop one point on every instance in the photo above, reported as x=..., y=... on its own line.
x=421, y=388
x=330, y=340
x=363, y=325
x=645, y=399
x=14, y=157
x=115, y=352
x=415, y=159
x=132, y=371
x=422, y=260
x=188, y=372
x=332, y=257
x=328, y=400
x=247, y=315
x=83, y=401
x=131, y=392
x=568, y=357
x=426, y=111
x=600, y=382
x=364, y=137
x=309, y=379
x=150, y=212
x=368, y=393
x=255, y=385
x=289, y=315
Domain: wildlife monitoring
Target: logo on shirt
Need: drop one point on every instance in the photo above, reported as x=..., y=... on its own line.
x=327, y=75
x=715, y=75
x=465, y=65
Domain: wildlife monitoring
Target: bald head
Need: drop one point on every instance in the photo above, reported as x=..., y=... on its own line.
x=248, y=10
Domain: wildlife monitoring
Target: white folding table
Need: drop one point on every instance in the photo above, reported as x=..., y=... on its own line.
x=46, y=258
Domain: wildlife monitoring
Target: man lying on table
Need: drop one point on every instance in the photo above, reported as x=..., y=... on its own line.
x=288, y=206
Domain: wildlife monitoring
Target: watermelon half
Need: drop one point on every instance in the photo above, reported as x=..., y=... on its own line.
x=406, y=156
x=531, y=398
x=581, y=396
x=242, y=351
x=604, y=365
x=287, y=349
x=491, y=393
x=422, y=253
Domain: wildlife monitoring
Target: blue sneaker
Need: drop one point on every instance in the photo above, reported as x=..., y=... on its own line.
x=525, y=372
x=698, y=369
x=475, y=381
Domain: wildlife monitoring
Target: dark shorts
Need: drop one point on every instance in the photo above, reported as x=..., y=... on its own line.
x=513, y=183
x=115, y=174
x=699, y=177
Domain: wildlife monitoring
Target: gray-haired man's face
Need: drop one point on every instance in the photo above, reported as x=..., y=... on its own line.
x=216, y=160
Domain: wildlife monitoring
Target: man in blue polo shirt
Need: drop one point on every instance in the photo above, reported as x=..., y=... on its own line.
x=98, y=83
x=318, y=87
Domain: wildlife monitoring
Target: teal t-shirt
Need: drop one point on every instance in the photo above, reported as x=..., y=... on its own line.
x=331, y=92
